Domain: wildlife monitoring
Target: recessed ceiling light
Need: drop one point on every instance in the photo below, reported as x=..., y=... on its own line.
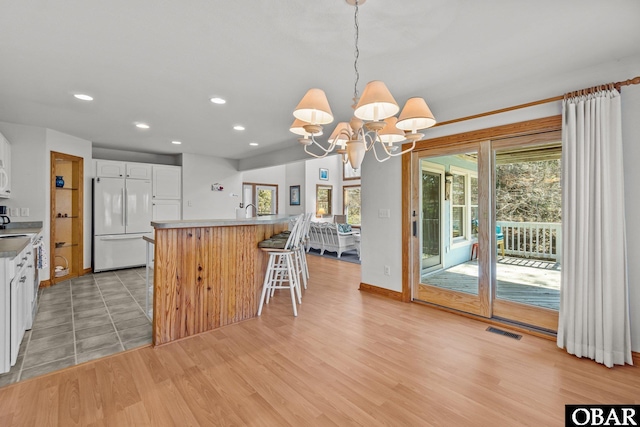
x=217, y=100
x=176, y=142
x=238, y=127
x=83, y=97
x=253, y=144
x=142, y=125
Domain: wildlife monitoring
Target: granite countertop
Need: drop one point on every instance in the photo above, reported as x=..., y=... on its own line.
x=265, y=219
x=11, y=247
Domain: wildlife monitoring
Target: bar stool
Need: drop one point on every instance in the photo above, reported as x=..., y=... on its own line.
x=282, y=267
x=301, y=254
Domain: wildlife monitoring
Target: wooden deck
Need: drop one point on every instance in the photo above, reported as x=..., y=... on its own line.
x=526, y=281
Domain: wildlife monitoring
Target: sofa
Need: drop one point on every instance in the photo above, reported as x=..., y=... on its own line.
x=326, y=237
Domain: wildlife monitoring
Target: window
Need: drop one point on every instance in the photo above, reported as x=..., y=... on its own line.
x=458, y=206
x=266, y=198
x=323, y=200
x=464, y=204
x=263, y=196
x=351, y=199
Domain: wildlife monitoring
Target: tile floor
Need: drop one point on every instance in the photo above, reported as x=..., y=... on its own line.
x=83, y=319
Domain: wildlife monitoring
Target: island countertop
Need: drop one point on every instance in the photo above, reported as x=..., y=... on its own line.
x=190, y=223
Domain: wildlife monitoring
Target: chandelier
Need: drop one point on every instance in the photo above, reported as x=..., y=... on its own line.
x=373, y=119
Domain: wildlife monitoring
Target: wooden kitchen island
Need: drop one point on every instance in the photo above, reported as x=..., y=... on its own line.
x=208, y=273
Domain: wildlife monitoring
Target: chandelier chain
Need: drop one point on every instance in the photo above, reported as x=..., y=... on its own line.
x=356, y=54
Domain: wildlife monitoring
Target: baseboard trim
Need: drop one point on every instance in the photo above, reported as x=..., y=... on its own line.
x=635, y=356
x=45, y=283
x=86, y=271
x=376, y=290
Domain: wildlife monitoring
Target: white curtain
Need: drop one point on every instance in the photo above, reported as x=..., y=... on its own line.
x=594, y=302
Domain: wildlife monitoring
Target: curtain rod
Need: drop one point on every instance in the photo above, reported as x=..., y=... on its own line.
x=617, y=85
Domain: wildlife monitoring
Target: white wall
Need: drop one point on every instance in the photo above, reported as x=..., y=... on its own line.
x=28, y=165
x=63, y=143
x=381, y=238
x=295, y=175
x=631, y=147
x=312, y=178
x=30, y=173
x=198, y=173
x=275, y=175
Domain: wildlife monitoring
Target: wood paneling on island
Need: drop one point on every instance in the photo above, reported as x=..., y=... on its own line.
x=206, y=277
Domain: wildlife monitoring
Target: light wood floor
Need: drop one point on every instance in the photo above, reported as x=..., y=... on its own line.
x=349, y=358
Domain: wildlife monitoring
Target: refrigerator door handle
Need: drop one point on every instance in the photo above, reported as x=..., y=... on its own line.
x=124, y=207
x=123, y=237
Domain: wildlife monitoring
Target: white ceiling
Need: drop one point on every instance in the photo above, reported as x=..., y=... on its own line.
x=159, y=62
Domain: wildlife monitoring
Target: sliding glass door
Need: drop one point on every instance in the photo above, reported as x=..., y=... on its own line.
x=528, y=217
x=448, y=263
x=488, y=233
x=431, y=217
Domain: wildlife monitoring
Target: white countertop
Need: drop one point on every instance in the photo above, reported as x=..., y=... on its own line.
x=264, y=219
x=11, y=247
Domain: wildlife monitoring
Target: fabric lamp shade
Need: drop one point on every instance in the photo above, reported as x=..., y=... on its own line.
x=314, y=108
x=415, y=115
x=297, y=127
x=390, y=133
x=376, y=102
x=355, y=152
x=340, y=134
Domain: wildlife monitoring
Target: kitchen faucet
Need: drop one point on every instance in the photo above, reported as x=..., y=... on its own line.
x=246, y=208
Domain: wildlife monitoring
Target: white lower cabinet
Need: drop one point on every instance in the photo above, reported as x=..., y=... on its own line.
x=16, y=298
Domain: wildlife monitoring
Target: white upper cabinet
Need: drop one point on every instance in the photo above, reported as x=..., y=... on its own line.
x=138, y=171
x=110, y=169
x=5, y=167
x=167, y=182
x=116, y=169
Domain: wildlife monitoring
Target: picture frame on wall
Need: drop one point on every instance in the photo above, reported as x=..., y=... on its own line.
x=294, y=195
x=324, y=174
x=350, y=173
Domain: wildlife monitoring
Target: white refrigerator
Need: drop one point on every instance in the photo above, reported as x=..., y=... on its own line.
x=121, y=217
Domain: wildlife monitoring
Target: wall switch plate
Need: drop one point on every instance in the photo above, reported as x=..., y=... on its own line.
x=14, y=212
x=24, y=211
x=387, y=270
x=189, y=203
x=384, y=213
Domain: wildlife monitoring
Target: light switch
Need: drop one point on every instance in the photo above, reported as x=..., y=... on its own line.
x=24, y=211
x=14, y=212
x=384, y=213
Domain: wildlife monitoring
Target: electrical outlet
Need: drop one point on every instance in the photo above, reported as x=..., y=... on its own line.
x=24, y=211
x=14, y=212
x=384, y=213
x=387, y=270
x=189, y=203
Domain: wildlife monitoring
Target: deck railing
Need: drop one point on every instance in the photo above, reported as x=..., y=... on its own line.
x=542, y=240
